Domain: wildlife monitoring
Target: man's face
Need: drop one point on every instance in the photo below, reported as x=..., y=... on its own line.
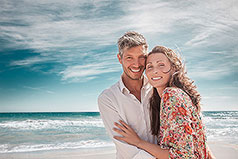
x=133, y=62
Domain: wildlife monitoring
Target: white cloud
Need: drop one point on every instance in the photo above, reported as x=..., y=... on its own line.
x=235, y=83
x=217, y=97
x=77, y=37
x=219, y=102
x=30, y=61
x=82, y=73
x=53, y=25
x=39, y=89
x=206, y=72
x=66, y=32
x=212, y=65
x=215, y=23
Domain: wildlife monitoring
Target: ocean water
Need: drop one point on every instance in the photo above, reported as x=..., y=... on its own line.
x=221, y=126
x=27, y=132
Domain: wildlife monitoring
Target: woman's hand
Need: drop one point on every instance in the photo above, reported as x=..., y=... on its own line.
x=128, y=134
x=210, y=154
x=130, y=137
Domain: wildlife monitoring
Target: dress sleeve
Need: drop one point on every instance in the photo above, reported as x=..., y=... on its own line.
x=176, y=131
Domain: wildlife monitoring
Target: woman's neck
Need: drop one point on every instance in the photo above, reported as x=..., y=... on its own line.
x=160, y=90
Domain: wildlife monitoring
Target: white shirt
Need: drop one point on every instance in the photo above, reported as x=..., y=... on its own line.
x=117, y=103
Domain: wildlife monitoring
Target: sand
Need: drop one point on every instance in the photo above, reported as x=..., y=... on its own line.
x=220, y=150
x=97, y=153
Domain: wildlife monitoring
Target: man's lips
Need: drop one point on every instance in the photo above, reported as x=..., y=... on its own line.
x=135, y=70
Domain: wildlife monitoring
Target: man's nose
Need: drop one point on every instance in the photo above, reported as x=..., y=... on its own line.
x=136, y=63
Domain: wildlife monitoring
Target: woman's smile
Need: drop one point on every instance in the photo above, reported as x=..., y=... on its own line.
x=156, y=78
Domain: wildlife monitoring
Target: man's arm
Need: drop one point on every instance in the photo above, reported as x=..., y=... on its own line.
x=110, y=115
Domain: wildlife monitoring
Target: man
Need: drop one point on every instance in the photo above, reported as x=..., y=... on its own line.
x=128, y=99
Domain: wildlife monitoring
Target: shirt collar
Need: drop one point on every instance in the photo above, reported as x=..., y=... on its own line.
x=124, y=89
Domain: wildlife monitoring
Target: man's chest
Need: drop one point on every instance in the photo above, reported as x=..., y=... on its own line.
x=134, y=112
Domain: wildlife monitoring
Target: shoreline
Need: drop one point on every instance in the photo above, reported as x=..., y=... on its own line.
x=92, y=153
x=221, y=150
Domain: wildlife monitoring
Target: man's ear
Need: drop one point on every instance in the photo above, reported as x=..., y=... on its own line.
x=119, y=58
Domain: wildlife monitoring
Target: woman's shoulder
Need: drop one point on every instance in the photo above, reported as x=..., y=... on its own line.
x=173, y=91
x=176, y=100
x=176, y=93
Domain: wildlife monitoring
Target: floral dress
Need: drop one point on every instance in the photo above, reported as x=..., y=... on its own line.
x=181, y=128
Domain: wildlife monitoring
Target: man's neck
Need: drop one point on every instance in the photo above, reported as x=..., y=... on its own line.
x=134, y=86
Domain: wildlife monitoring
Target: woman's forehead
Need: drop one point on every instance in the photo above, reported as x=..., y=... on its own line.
x=157, y=57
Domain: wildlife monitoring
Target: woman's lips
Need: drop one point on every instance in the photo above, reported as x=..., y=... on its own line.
x=156, y=78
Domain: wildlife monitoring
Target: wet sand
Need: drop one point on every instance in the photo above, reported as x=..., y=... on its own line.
x=219, y=149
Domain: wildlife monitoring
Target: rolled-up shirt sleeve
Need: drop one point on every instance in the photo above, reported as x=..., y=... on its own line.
x=109, y=115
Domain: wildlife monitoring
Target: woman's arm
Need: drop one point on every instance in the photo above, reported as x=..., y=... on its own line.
x=130, y=136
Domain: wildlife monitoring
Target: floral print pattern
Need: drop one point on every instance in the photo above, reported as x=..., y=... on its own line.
x=181, y=128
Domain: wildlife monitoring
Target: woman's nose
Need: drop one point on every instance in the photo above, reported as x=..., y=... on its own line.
x=155, y=71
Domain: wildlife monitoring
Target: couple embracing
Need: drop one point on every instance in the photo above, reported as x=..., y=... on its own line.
x=157, y=115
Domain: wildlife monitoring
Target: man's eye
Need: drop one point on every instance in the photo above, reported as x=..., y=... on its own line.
x=129, y=58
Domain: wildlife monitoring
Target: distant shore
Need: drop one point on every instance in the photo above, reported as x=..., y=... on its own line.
x=220, y=150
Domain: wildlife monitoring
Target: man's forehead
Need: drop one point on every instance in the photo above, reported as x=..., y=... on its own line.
x=131, y=51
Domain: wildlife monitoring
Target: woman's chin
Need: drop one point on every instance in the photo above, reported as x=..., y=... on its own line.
x=159, y=86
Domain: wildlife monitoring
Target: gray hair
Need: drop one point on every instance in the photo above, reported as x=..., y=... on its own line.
x=131, y=39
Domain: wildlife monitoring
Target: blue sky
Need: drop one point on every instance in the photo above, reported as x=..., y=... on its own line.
x=60, y=55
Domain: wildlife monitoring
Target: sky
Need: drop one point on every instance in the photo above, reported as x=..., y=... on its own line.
x=58, y=56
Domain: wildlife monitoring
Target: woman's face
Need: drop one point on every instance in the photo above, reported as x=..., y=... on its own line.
x=158, y=70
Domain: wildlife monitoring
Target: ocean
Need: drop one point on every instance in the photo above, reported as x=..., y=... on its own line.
x=28, y=132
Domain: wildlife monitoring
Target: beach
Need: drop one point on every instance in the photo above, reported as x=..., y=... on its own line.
x=105, y=153
x=220, y=150
x=82, y=135
x=223, y=150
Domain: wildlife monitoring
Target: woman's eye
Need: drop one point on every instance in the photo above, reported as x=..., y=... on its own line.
x=149, y=67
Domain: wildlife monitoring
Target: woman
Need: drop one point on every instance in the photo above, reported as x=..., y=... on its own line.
x=174, y=111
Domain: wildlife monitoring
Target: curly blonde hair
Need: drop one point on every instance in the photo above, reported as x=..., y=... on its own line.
x=179, y=79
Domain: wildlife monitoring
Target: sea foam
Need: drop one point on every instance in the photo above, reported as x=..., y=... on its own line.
x=49, y=124
x=43, y=147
